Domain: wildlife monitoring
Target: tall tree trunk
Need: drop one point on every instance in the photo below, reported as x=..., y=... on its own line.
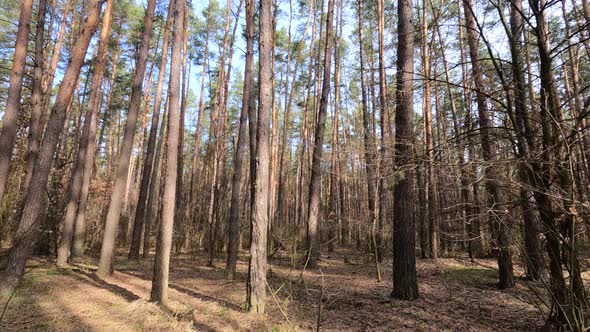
x=431, y=220
x=179, y=220
x=159, y=292
x=146, y=175
x=215, y=144
x=499, y=216
x=405, y=286
x=369, y=142
x=56, y=54
x=9, y=121
x=105, y=264
x=28, y=228
x=158, y=172
x=36, y=129
x=257, y=300
x=85, y=150
x=335, y=172
x=570, y=305
x=197, y=148
x=232, y=248
x=252, y=129
x=382, y=193
x=315, y=190
x=533, y=249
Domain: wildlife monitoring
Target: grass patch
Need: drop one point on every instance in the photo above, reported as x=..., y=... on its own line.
x=54, y=272
x=469, y=274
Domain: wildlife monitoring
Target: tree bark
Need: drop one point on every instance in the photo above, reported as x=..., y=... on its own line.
x=526, y=142
x=569, y=304
x=499, y=216
x=235, y=213
x=382, y=193
x=36, y=129
x=86, y=149
x=9, y=121
x=369, y=141
x=159, y=292
x=56, y=54
x=28, y=228
x=105, y=264
x=260, y=204
x=315, y=190
x=146, y=174
x=405, y=286
x=431, y=220
x=158, y=172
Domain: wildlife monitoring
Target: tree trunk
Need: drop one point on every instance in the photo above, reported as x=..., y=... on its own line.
x=105, y=264
x=259, y=211
x=55, y=56
x=499, y=216
x=382, y=193
x=197, y=147
x=28, y=228
x=405, y=286
x=9, y=122
x=158, y=172
x=146, y=175
x=159, y=292
x=235, y=214
x=569, y=305
x=369, y=141
x=36, y=129
x=179, y=220
x=533, y=247
x=85, y=155
x=431, y=220
x=315, y=190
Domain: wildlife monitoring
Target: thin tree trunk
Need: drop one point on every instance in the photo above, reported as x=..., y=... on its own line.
x=146, y=175
x=431, y=220
x=257, y=278
x=252, y=129
x=56, y=54
x=110, y=234
x=385, y=127
x=499, y=217
x=152, y=201
x=533, y=249
x=159, y=292
x=36, y=130
x=179, y=220
x=314, y=213
x=197, y=147
x=85, y=155
x=235, y=213
x=369, y=143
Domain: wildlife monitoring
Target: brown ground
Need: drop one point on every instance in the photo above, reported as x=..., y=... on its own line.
x=455, y=295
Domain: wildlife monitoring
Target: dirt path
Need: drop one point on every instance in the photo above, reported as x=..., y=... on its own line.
x=455, y=296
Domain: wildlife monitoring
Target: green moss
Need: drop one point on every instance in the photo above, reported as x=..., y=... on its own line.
x=465, y=273
x=54, y=272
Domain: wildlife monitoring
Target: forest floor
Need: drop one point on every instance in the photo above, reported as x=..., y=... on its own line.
x=456, y=295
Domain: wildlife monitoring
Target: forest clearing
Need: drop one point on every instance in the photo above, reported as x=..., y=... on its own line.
x=278, y=165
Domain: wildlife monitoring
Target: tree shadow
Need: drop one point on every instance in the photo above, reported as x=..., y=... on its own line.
x=98, y=282
x=207, y=298
x=190, y=292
